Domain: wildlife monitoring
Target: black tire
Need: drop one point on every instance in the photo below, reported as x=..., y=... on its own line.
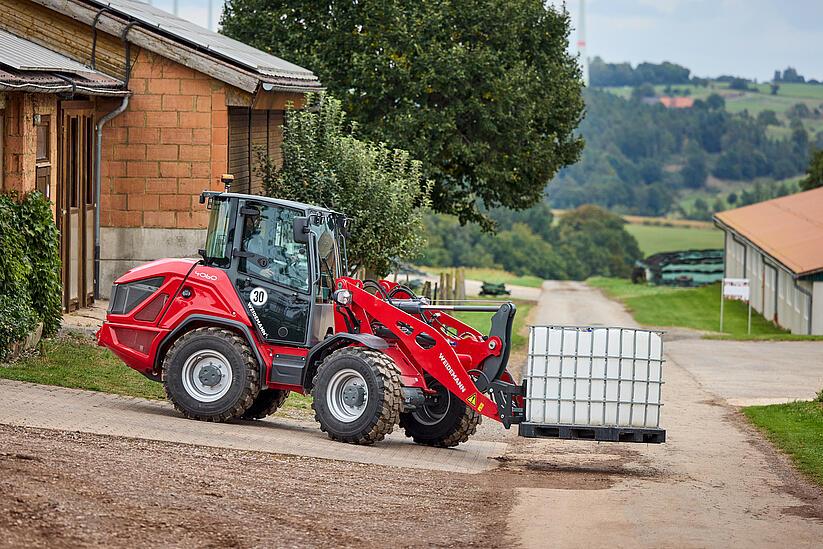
x=445, y=421
x=381, y=409
x=266, y=403
x=242, y=390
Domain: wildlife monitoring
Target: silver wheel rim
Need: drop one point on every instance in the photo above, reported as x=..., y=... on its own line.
x=207, y=376
x=431, y=413
x=347, y=395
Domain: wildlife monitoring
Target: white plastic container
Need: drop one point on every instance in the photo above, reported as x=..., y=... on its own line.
x=594, y=376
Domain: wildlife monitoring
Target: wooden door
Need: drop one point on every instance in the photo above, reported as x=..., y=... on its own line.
x=76, y=203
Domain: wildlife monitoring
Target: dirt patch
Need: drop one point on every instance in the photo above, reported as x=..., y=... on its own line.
x=60, y=489
x=566, y=465
x=793, y=482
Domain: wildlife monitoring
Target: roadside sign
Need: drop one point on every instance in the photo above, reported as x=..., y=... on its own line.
x=736, y=288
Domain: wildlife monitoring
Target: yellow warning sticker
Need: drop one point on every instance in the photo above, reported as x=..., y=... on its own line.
x=480, y=408
x=472, y=399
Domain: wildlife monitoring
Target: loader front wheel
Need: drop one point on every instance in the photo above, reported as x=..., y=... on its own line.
x=266, y=403
x=356, y=395
x=210, y=374
x=444, y=420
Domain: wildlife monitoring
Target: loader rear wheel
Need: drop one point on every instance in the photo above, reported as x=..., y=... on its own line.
x=444, y=420
x=210, y=374
x=356, y=395
x=266, y=403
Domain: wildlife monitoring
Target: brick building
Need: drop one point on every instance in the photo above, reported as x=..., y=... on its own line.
x=121, y=100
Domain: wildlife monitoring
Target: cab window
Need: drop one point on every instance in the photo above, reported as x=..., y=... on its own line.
x=329, y=269
x=271, y=252
x=219, y=234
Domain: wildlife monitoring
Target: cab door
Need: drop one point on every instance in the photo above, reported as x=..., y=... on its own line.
x=273, y=279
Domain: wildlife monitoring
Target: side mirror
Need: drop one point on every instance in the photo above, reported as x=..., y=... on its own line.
x=301, y=229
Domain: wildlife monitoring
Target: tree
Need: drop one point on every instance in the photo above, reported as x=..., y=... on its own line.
x=768, y=118
x=791, y=75
x=814, y=174
x=715, y=102
x=799, y=110
x=594, y=242
x=382, y=190
x=643, y=91
x=739, y=84
x=694, y=173
x=484, y=93
x=521, y=251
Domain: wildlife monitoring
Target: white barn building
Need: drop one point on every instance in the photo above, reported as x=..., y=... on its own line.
x=778, y=246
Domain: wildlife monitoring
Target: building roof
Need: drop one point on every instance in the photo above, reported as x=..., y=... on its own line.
x=677, y=102
x=26, y=66
x=789, y=229
x=206, y=51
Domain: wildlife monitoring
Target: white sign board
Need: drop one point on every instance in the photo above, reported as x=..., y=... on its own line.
x=736, y=288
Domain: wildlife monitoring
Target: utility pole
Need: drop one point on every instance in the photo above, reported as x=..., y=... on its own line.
x=581, y=43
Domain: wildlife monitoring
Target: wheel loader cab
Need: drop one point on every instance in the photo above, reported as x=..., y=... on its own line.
x=283, y=258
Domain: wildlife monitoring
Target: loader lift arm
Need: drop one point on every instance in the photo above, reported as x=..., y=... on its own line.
x=467, y=363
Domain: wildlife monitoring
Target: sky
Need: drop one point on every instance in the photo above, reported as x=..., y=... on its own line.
x=749, y=38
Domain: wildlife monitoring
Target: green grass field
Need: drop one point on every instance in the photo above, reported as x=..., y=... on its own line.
x=495, y=276
x=482, y=322
x=654, y=239
x=696, y=308
x=797, y=429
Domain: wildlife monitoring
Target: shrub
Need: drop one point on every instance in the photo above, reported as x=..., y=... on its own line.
x=43, y=248
x=29, y=269
x=381, y=189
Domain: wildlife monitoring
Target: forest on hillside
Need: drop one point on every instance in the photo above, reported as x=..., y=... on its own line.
x=640, y=157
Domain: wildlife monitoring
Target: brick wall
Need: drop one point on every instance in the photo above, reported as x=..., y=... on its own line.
x=19, y=144
x=169, y=145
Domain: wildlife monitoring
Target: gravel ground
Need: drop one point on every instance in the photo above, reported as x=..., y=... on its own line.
x=61, y=489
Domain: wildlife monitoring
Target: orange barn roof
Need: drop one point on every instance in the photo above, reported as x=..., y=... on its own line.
x=790, y=229
x=677, y=102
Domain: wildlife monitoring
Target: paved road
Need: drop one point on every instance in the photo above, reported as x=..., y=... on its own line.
x=743, y=373
x=715, y=483
x=29, y=405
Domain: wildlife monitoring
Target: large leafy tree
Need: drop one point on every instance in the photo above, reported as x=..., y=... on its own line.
x=483, y=92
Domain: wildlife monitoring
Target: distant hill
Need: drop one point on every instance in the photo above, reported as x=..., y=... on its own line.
x=733, y=146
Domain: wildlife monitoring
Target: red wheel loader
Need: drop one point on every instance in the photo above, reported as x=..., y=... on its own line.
x=268, y=310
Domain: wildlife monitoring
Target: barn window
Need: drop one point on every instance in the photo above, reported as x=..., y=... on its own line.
x=252, y=133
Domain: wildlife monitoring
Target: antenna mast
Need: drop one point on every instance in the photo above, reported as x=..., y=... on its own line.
x=581, y=43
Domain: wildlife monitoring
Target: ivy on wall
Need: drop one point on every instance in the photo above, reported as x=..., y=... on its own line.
x=30, y=290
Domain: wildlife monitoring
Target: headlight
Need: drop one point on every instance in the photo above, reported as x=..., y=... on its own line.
x=342, y=297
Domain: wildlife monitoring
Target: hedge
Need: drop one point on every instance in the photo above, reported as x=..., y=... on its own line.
x=30, y=289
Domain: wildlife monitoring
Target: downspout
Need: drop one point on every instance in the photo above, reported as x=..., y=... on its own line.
x=98, y=183
x=98, y=157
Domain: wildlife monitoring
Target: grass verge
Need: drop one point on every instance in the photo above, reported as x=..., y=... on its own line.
x=520, y=331
x=76, y=362
x=495, y=276
x=696, y=308
x=797, y=429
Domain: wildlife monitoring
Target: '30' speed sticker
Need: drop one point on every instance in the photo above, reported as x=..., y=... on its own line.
x=258, y=297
